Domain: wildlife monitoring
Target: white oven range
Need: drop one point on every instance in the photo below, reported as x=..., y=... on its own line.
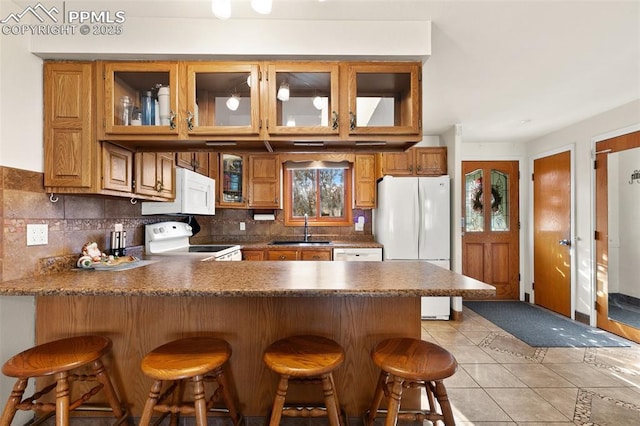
x=172, y=238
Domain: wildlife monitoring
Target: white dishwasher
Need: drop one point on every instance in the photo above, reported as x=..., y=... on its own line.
x=357, y=254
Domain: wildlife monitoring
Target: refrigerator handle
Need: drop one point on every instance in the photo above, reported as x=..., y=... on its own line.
x=417, y=215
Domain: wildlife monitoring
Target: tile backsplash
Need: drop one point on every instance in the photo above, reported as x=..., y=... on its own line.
x=76, y=219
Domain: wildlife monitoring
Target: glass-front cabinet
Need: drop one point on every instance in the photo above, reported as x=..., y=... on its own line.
x=384, y=99
x=222, y=99
x=140, y=98
x=233, y=186
x=303, y=98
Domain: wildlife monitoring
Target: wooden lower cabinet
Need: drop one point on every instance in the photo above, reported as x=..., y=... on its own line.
x=315, y=255
x=282, y=255
x=252, y=254
x=288, y=254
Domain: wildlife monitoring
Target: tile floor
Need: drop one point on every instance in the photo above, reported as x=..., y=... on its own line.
x=503, y=381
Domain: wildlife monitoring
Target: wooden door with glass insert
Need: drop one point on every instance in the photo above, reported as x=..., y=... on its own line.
x=491, y=235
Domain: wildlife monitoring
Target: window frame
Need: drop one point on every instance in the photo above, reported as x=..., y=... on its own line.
x=347, y=220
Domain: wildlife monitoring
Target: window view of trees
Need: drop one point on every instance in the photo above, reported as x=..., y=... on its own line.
x=318, y=193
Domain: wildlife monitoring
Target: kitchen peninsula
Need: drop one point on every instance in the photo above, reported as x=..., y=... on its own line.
x=250, y=304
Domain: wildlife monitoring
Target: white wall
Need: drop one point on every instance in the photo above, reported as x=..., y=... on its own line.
x=581, y=135
x=20, y=147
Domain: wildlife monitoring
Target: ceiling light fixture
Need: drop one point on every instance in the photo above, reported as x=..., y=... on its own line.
x=318, y=102
x=283, y=92
x=221, y=8
x=233, y=102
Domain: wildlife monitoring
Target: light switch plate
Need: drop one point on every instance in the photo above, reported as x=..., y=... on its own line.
x=37, y=234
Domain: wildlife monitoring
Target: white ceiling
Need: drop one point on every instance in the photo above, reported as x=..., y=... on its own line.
x=508, y=70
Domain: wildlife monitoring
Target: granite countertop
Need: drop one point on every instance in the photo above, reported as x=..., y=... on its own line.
x=189, y=276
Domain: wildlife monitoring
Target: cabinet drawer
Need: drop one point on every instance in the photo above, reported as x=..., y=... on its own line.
x=252, y=255
x=282, y=255
x=315, y=255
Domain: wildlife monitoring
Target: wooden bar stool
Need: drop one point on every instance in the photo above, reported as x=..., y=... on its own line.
x=303, y=358
x=59, y=358
x=406, y=362
x=195, y=359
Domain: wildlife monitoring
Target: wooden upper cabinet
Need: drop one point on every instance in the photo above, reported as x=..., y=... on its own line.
x=264, y=181
x=117, y=166
x=398, y=163
x=431, y=161
x=427, y=161
x=222, y=98
x=196, y=161
x=133, y=81
x=365, y=181
x=384, y=99
x=303, y=98
x=68, y=125
x=155, y=174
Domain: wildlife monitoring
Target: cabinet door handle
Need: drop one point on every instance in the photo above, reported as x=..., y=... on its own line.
x=172, y=120
x=411, y=168
x=283, y=257
x=352, y=121
x=335, y=121
x=419, y=168
x=276, y=200
x=159, y=186
x=189, y=120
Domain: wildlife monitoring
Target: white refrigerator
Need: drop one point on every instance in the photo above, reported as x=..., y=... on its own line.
x=412, y=222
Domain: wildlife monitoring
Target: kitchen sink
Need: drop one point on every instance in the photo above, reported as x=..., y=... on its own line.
x=300, y=243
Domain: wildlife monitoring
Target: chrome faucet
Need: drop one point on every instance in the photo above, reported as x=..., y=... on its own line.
x=306, y=228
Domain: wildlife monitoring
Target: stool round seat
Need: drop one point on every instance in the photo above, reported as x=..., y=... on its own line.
x=184, y=358
x=308, y=359
x=411, y=363
x=60, y=355
x=414, y=359
x=192, y=359
x=303, y=356
x=67, y=360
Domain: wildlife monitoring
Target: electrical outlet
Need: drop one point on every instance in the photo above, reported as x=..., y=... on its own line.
x=243, y=226
x=37, y=234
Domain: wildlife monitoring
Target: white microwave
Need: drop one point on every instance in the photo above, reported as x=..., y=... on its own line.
x=195, y=194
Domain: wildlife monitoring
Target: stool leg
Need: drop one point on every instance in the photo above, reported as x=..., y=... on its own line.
x=377, y=398
x=199, y=401
x=12, y=404
x=226, y=395
x=445, y=405
x=62, y=398
x=278, y=403
x=330, y=400
x=152, y=400
x=394, y=401
x=103, y=377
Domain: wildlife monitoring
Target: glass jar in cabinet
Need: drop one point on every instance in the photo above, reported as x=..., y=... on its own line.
x=303, y=98
x=223, y=99
x=384, y=99
x=232, y=181
x=140, y=98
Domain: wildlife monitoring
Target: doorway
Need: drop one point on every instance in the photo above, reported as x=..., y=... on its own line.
x=617, y=235
x=552, y=241
x=491, y=228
